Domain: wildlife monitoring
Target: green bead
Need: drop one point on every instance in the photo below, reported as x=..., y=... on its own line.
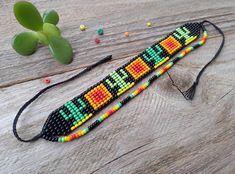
x=100, y=31
x=86, y=130
x=61, y=139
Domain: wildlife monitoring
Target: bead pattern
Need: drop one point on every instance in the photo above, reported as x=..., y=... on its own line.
x=74, y=113
x=170, y=44
x=98, y=96
x=137, y=68
x=133, y=94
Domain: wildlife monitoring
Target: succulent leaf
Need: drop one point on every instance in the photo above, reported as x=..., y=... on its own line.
x=51, y=16
x=44, y=31
x=25, y=43
x=51, y=30
x=28, y=16
x=61, y=49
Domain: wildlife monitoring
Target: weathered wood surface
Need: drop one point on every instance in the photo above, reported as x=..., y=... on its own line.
x=158, y=132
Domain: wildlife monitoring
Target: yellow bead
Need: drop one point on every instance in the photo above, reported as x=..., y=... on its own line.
x=116, y=108
x=104, y=116
x=135, y=92
x=83, y=27
x=149, y=24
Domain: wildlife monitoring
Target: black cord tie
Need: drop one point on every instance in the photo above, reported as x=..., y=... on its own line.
x=104, y=60
x=189, y=94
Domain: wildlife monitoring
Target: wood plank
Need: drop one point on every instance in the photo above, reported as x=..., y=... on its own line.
x=162, y=133
x=158, y=132
x=17, y=69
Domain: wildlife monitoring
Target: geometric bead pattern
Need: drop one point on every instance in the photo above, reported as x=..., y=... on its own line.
x=80, y=109
x=136, y=92
x=154, y=54
x=98, y=96
x=75, y=112
x=170, y=44
x=138, y=68
x=183, y=33
x=119, y=78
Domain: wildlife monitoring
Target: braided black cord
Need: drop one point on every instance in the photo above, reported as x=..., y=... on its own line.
x=216, y=54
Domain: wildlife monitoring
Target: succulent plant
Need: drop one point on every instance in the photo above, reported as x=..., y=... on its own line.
x=43, y=30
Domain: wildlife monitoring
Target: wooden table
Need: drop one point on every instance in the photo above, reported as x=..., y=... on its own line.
x=159, y=131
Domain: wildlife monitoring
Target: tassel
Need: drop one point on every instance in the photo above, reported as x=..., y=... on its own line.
x=189, y=94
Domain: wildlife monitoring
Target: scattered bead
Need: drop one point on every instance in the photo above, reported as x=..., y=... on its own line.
x=100, y=31
x=126, y=34
x=97, y=40
x=83, y=27
x=47, y=81
x=149, y=24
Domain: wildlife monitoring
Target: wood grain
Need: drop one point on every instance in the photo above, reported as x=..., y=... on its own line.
x=159, y=132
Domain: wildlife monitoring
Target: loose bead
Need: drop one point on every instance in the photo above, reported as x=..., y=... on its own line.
x=100, y=31
x=126, y=34
x=83, y=27
x=149, y=24
x=97, y=40
x=47, y=81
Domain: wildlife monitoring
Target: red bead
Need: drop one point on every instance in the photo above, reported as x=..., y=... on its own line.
x=97, y=40
x=47, y=81
x=164, y=69
x=73, y=136
x=110, y=112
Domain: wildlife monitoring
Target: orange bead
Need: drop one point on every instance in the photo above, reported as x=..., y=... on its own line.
x=126, y=34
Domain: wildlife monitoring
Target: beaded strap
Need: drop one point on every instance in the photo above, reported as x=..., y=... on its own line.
x=133, y=94
x=75, y=112
x=62, y=121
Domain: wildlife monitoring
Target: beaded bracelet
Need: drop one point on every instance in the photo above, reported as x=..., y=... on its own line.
x=62, y=121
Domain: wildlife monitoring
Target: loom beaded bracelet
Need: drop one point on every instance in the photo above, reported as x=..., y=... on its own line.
x=75, y=112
